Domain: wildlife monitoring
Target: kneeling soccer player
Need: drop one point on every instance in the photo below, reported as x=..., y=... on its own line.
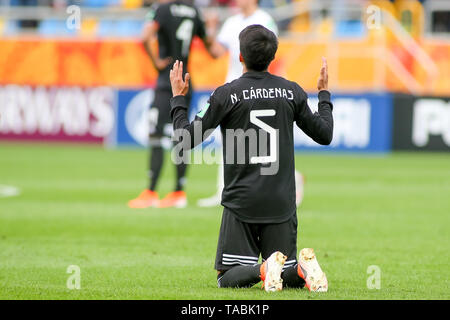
x=256, y=113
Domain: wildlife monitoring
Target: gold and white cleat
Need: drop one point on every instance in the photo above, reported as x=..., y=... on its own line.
x=309, y=269
x=271, y=272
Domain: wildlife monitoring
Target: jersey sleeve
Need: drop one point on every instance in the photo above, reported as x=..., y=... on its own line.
x=200, y=30
x=319, y=125
x=150, y=16
x=193, y=133
x=160, y=15
x=272, y=25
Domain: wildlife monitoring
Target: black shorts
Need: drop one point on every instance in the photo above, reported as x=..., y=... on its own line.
x=159, y=114
x=242, y=243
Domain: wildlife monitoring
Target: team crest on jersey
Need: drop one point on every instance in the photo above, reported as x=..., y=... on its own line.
x=152, y=12
x=202, y=112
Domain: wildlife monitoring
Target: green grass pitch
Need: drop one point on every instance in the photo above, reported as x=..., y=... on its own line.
x=391, y=211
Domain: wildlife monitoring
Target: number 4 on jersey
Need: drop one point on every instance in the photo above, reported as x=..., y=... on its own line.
x=184, y=34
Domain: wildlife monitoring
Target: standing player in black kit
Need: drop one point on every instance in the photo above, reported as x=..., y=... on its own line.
x=259, y=216
x=173, y=24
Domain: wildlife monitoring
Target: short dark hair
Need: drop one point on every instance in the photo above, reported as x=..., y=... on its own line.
x=258, y=46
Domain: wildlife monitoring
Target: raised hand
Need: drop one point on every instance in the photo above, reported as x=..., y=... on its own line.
x=322, y=84
x=179, y=87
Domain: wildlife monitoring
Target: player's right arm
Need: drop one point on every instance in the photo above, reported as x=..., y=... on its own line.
x=216, y=49
x=215, y=44
x=207, y=32
x=149, y=39
x=193, y=133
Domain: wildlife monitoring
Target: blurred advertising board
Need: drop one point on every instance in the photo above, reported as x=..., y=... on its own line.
x=69, y=114
x=132, y=114
x=132, y=123
x=421, y=123
x=362, y=122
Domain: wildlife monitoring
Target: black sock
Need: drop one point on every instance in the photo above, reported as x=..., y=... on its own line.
x=291, y=279
x=181, y=173
x=156, y=163
x=239, y=277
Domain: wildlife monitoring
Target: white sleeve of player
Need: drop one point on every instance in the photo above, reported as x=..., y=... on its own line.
x=224, y=34
x=271, y=25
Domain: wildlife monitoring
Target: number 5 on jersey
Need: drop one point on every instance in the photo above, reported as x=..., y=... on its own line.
x=272, y=157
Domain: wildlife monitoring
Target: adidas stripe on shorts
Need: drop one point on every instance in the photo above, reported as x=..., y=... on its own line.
x=242, y=243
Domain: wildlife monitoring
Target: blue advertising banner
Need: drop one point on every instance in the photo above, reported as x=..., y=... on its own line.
x=362, y=123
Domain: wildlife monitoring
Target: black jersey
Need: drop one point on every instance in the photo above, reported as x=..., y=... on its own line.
x=259, y=173
x=179, y=22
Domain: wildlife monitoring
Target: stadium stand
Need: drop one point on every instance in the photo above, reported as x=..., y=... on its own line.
x=296, y=15
x=54, y=27
x=89, y=27
x=406, y=52
x=132, y=4
x=120, y=28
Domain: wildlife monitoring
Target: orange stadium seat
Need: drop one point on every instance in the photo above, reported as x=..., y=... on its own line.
x=377, y=34
x=326, y=27
x=132, y=4
x=300, y=23
x=89, y=27
x=410, y=13
x=385, y=5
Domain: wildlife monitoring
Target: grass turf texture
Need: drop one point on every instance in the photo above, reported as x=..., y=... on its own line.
x=391, y=211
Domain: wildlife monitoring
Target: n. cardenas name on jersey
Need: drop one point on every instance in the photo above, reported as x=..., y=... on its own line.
x=263, y=93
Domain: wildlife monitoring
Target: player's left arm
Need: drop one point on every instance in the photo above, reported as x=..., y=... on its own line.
x=319, y=125
x=192, y=133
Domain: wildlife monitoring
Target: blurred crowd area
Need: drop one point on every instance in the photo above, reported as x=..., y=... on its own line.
x=128, y=4
x=125, y=18
x=397, y=46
